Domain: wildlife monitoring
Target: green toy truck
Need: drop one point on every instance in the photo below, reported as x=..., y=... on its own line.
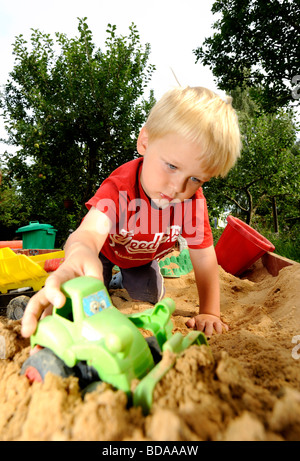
x=90, y=338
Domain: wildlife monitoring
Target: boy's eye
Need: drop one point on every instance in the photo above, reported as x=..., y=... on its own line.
x=196, y=180
x=172, y=167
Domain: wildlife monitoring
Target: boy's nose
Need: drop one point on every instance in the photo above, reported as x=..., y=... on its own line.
x=179, y=186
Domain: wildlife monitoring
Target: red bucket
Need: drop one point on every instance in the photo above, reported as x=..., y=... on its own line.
x=240, y=246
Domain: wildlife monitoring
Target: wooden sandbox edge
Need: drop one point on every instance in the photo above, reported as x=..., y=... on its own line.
x=274, y=263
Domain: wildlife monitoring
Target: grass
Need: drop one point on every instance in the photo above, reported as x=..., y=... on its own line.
x=286, y=245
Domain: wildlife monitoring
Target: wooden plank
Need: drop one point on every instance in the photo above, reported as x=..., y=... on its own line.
x=274, y=263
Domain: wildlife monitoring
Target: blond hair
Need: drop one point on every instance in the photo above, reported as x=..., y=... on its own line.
x=203, y=117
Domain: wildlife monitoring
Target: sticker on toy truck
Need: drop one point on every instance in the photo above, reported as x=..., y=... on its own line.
x=95, y=302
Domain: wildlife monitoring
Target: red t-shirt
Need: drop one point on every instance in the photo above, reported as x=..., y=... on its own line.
x=141, y=232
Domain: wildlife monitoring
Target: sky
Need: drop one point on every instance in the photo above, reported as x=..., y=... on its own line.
x=174, y=28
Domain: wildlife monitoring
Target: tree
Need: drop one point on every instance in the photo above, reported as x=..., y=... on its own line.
x=74, y=115
x=256, y=44
x=268, y=173
x=13, y=212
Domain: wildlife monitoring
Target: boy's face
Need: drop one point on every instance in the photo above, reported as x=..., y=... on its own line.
x=171, y=169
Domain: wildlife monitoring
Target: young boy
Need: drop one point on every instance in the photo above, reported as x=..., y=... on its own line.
x=139, y=211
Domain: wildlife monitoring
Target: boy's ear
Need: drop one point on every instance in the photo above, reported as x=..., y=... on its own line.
x=142, y=142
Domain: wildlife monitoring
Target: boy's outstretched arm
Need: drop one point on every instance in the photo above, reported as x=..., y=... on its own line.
x=81, y=258
x=207, y=279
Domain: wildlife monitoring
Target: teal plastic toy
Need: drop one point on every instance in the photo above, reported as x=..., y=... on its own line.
x=90, y=338
x=183, y=261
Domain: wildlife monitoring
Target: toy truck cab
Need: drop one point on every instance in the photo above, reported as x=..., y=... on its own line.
x=84, y=297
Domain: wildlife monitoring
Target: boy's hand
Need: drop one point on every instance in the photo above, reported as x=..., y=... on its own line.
x=82, y=250
x=42, y=302
x=207, y=323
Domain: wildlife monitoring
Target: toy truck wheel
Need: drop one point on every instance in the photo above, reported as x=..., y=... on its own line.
x=39, y=364
x=85, y=374
x=16, y=307
x=154, y=348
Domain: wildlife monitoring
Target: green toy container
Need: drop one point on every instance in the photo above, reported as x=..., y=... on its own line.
x=38, y=236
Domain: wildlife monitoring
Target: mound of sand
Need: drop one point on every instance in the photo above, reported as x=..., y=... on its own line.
x=247, y=389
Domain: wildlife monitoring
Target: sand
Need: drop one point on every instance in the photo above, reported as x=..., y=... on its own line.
x=248, y=389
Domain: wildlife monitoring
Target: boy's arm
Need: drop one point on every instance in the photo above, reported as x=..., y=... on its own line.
x=207, y=280
x=81, y=258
